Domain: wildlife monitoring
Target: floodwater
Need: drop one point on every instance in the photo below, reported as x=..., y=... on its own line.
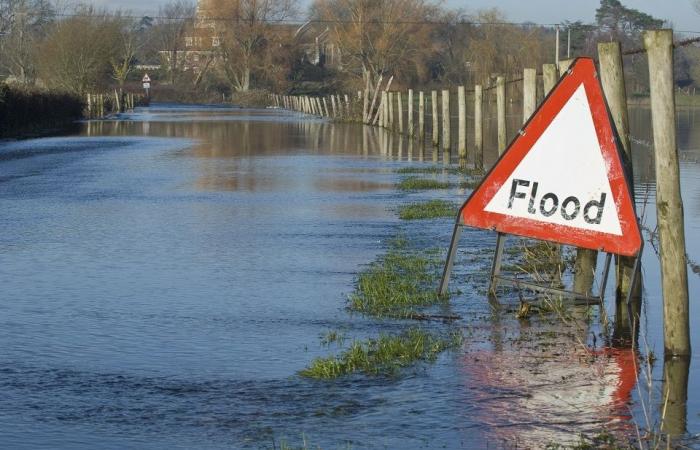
x=165, y=275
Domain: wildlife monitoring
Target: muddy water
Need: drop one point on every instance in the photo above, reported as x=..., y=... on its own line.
x=166, y=275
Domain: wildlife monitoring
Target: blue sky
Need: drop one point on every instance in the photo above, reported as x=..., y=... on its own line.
x=679, y=12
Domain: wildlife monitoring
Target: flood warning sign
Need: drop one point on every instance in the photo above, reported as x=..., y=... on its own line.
x=562, y=178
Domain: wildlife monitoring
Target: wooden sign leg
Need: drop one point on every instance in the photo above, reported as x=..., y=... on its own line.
x=456, y=234
x=496, y=268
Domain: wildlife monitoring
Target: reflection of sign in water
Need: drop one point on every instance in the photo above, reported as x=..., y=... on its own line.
x=533, y=398
x=562, y=178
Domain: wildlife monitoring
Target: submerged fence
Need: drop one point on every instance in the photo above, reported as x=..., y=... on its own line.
x=406, y=113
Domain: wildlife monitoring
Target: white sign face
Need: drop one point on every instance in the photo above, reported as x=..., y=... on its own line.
x=146, y=85
x=563, y=179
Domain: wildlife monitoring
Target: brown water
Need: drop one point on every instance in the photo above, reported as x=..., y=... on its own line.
x=167, y=274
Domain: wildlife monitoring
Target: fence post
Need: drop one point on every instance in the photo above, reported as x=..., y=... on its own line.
x=446, y=144
x=549, y=77
x=478, y=127
x=399, y=110
x=390, y=104
x=409, y=123
x=325, y=107
x=365, y=105
x=669, y=205
x=501, y=112
x=436, y=123
x=421, y=117
x=564, y=66
x=462, y=127
x=612, y=78
x=529, y=93
x=385, y=109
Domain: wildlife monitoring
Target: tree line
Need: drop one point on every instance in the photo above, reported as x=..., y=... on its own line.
x=337, y=45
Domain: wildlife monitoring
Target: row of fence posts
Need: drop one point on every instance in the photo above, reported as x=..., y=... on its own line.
x=659, y=48
x=101, y=105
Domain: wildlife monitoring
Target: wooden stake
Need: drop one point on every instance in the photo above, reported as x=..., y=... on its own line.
x=436, y=122
x=421, y=116
x=410, y=114
x=529, y=93
x=549, y=77
x=446, y=144
x=501, y=113
x=399, y=110
x=392, y=124
x=462, y=127
x=612, y=78
x=669, y=205
x=478, y=127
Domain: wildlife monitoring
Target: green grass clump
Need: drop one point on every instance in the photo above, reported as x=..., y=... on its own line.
x=440, y=169
x=414, y=184
x=428, y=210
x=382, y=356
x=394, y=286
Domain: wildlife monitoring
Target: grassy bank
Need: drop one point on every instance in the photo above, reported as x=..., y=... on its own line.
x=27, y=111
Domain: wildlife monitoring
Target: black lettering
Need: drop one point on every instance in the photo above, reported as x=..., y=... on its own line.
x=514, y=191
x=555, y=204
x=577, y=208
x=598, y=204
x=531, y=207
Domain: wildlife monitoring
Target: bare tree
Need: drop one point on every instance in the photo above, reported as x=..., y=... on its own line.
x=379, y=38
x=128, y=45
x=174, y=20
x=251, y=30
x=75, y=55
x=22, y=24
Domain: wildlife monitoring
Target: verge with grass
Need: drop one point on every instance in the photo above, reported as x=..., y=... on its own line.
x=428, y=210
x=415, y=184
x=384, y=355
x=395, y=285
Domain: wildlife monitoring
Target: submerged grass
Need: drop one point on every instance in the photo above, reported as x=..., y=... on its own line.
x=440, y=169
x=395, y=285
x=415, y=183
x=428, y=210
x=383, y=356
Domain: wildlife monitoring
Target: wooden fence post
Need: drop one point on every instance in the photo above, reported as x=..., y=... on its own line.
x=421, y=117
x=462, y=127
x=399, y=110
x=365, y=105
x=446, y=144
x=409, y=123
x=612, y=78
x=669, y=205
x=478, y=127
x=549, y=77
x=529, y=93
x=436, y=123
x=390, y=104
x=501, y=112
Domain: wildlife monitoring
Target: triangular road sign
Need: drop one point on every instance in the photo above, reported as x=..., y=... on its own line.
x=562, y=178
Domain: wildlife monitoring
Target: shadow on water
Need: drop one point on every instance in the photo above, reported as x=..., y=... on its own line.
x=168, y=273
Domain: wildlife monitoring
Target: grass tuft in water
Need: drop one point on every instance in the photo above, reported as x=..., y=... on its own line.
x=415, y=183
x=428, y=210
x=395, y=285
x=383, y=356
x=440, y=169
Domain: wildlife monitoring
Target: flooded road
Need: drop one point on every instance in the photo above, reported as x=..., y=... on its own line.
x=166, y=275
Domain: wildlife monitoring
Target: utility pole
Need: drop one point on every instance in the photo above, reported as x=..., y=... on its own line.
x=568, y=43
x=556, y=48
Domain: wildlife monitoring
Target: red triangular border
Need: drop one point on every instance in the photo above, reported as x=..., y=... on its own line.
x=473, y=212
